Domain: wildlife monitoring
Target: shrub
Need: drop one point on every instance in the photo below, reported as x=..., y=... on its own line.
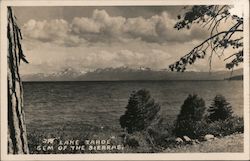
x=221, y=127
x=191, y=113
x=142, y=112
x=220, y=109
x=132, y=142
x=162, y=138
x=139, y=142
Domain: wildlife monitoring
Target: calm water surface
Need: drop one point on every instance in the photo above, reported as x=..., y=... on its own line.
x=71, y=105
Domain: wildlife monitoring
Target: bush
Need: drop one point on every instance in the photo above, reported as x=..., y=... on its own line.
x=191, y=113
x=142, y=112
x=220, y=109
x=139, y=142
x=162, y=138
x=132, y=142
x=221, y=127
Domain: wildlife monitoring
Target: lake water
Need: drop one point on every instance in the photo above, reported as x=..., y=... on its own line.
x=70, y=106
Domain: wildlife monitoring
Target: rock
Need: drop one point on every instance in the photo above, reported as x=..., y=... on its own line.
x=187, y=139
x=196, y=141
x=178, y=140
x=208, y=137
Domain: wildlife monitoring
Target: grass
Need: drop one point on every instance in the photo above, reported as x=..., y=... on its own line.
x=137, y=143
x=230, y=143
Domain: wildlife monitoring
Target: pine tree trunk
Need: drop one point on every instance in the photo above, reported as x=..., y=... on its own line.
x=17, y=138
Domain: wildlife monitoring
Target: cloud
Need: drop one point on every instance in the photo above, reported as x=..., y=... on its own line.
x=119, y=58
x=102, y=27
x=85, y=25
x=49, y=58
x=57, y=31
x=158, y=28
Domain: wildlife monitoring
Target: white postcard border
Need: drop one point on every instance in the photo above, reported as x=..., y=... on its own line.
x=127, y=156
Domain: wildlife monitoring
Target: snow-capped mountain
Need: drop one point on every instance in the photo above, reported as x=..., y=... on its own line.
x=126, y=73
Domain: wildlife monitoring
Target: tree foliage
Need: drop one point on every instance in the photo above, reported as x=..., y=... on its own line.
x=191, y=113
x=142, y=112
x=220, y=109
x=211, y=17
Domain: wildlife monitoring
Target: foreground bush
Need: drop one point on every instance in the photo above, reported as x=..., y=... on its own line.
x=221, y=127
x=191, y=113
x=142, y=112
x=138, y=142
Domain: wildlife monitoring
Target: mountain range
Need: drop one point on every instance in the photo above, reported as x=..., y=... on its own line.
x=125, y=73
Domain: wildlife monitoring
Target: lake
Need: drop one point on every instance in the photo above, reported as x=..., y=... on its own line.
x=74, y=106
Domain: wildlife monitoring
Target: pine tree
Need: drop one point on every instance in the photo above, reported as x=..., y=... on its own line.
x=191, y=113
x=142, y=112
x=220, y=109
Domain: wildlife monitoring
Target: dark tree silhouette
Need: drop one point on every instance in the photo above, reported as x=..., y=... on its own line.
x=142, y=112
x=211, y=17
x=17, y=138
x=220, y=109
x=191, y=113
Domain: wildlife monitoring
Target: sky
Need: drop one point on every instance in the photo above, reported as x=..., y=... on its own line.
x=87, y=38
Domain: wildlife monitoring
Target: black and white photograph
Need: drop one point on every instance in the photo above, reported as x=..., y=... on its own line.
x=125, y=79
